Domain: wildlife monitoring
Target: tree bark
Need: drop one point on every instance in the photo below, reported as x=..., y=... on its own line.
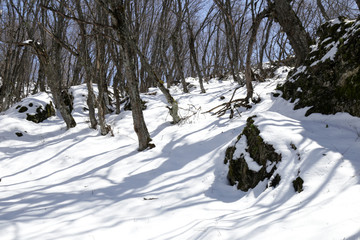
x=100, y=74
x=292, y=26
x=194, y=59
x=85, y=59
x=133, y=91
x=252, y=40
x=358, y=3
x=176, y=35
x=322, y=10
x=121, y=25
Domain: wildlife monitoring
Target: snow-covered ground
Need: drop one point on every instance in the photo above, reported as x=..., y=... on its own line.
x=77, y=184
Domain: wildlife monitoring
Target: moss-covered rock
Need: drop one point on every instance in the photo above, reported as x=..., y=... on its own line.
x=275, y=181
x=127, y=106
x=23, y=109
x=262, y=153
x=42, y=114
x=329, y=80
x=19, y=134
x=298, y=184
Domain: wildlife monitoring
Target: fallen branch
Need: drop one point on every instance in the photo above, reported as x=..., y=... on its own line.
x=230, y=105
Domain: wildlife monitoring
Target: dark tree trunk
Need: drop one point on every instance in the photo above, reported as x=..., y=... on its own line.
x=41, y=78
x=121, y=25
x=358, y=3
x=248, y=71
x=194, y=60
x=263, y=47
x=179, y=64
x=322, y=10
x=292, y=26
x=136, y=106
x=85, y=60
x=175, y=37
x=116, y=83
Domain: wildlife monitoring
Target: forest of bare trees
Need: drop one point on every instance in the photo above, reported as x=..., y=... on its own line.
x=131, y=46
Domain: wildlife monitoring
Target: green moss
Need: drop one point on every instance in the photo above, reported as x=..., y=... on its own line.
x=333, y=85
x=298, y=184
x=229, y=154
x=259, y=151
x=275, y=182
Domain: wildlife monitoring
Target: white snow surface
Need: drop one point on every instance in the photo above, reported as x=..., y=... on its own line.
x=76, y=184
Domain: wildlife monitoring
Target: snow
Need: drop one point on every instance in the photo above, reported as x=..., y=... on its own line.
x=28, y=41
x=77, y=184
x=240, y=146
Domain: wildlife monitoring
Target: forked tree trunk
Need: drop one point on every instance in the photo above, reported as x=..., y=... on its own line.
x=179, y=64
x=120, y=25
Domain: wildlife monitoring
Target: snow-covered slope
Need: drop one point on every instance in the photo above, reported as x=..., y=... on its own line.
x=77, y=184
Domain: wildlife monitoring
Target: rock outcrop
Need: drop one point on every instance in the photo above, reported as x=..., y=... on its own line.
x=250, y=159
x=329, y=80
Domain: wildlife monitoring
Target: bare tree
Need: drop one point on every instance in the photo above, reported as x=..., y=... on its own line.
x=233, y=33
x=51, y=62
x=292, y=26
x=193, y=34
x=85, y=60
x=120, y=12
x=322, y=10
x=176, y=43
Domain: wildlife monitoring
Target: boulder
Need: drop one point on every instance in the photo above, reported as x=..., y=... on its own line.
x=250, y=159
x=329, y=80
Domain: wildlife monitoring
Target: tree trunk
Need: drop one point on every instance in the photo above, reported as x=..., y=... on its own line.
x=248, y=71
x=101, y=74
x=133, y=90
x=85, y=59
x=263, y=47
x=176, y=35
x=322, y=10
x=195, y=61
x=292, y=26
x=121, y=25
x=179, y=64
x=358, y=3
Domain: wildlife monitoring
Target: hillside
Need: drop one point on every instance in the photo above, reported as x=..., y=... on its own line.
x=77, y=184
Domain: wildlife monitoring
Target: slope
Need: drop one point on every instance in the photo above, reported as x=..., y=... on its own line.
x=77, y=184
